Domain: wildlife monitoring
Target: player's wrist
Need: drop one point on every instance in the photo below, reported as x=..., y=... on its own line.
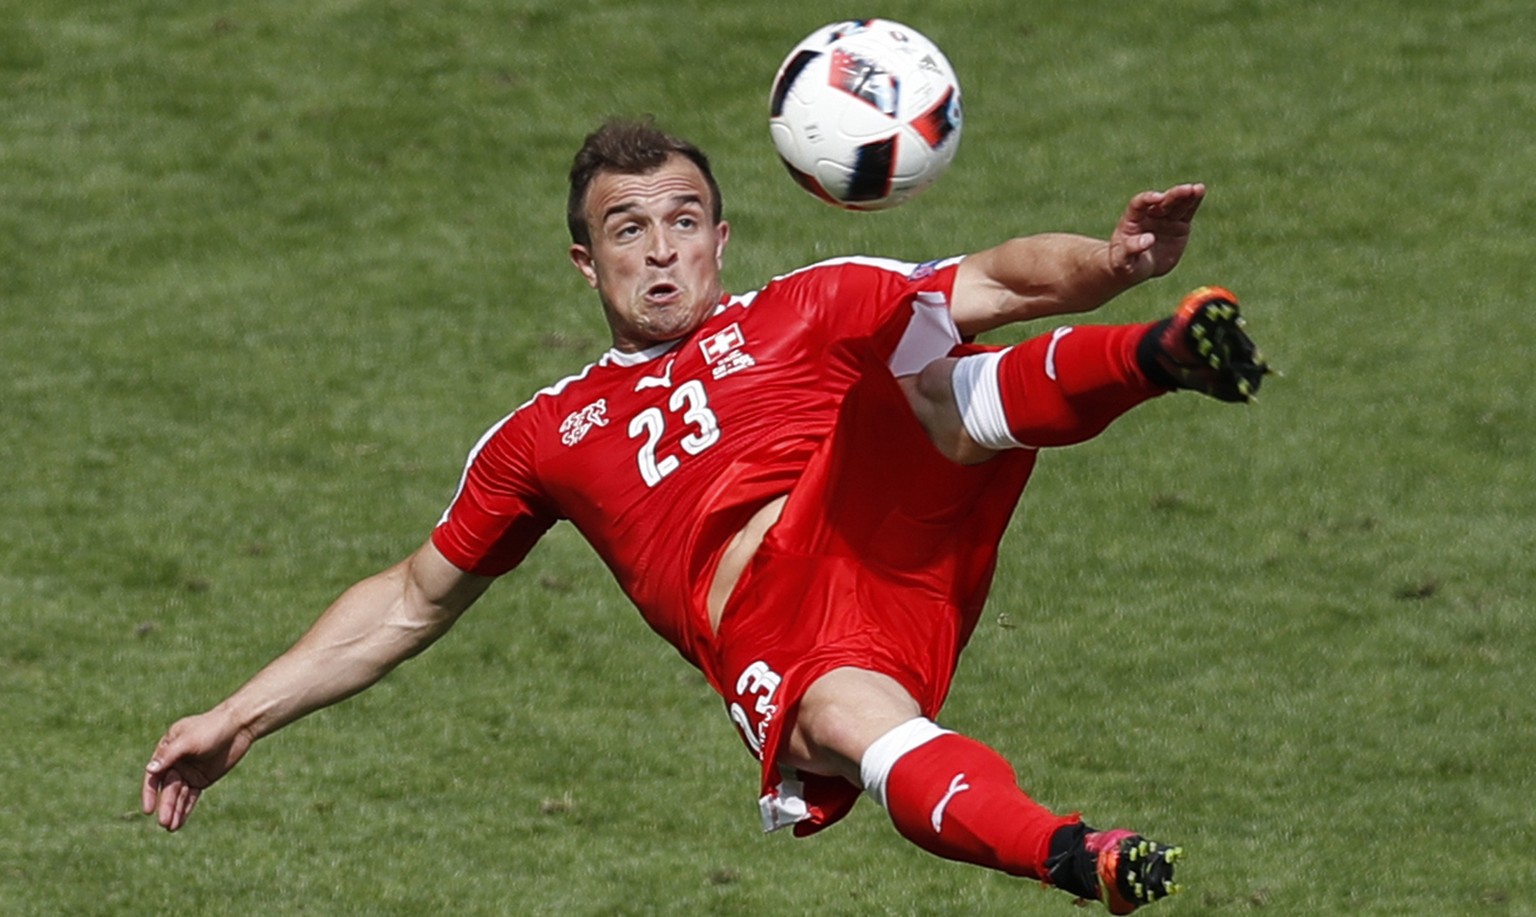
x=244, y=716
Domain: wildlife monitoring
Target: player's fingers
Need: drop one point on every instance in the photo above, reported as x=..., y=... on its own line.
x=1144, y=204
x=1181, y=201
x=1133, y=246
x=149, y=792
x=171, y=793
x=1139, y=216
x=165, y=803
x=1131, y=259
x=184, y=806
x=154, y=775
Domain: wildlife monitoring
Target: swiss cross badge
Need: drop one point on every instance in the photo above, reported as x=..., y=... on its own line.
x=723, y=351
x=721, y=343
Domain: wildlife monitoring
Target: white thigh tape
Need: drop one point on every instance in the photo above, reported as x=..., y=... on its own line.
x=974, y=384
x=880, y=757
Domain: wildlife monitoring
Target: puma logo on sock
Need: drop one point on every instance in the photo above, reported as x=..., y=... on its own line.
x=956, y=786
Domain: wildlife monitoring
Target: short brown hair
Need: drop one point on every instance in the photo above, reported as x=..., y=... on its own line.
x=628, y=146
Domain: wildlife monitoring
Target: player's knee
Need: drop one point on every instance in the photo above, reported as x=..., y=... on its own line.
x=825, y=733
x=841, y=715
x=931, y=393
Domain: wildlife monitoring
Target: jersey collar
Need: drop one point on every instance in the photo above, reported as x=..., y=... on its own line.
x=621, y=358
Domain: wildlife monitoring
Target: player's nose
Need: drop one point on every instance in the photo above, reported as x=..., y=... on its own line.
x=661, y=252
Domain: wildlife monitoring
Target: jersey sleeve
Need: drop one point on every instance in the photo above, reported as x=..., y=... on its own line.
x=498, y=513
x=856, y=297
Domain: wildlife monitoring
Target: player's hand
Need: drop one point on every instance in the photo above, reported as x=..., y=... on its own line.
x=1153, y=232
x=194, y=753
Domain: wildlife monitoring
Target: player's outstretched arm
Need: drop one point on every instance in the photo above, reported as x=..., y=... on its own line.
x=374, y=626
x=1061, y=273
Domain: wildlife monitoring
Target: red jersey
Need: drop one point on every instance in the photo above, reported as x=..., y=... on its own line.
x=660, y=457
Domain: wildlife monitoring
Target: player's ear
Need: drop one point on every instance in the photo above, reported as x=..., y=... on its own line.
x=581, y=256
x=724, y=231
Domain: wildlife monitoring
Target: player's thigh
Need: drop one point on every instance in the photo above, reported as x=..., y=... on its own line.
x=840, y=715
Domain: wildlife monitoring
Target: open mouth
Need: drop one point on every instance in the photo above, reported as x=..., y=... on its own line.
x=662, y=293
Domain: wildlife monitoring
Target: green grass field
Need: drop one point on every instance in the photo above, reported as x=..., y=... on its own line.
x=268, y=271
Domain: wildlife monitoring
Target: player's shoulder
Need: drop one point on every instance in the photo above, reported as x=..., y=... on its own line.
x=567, y=386
x=583, y=393
x=853, y=265
x=836, y=286
x=854, y=269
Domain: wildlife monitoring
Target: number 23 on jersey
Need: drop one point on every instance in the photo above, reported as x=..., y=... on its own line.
x=688, y=405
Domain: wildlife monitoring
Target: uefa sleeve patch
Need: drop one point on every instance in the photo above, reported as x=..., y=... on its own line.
x=926, y=269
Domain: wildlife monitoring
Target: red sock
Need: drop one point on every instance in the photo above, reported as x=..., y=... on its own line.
x=959, y=799
x=1067, y=386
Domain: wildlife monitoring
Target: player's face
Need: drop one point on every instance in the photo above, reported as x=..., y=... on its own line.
x=655, y=254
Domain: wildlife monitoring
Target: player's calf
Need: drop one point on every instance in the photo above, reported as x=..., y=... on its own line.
x=1056, y=389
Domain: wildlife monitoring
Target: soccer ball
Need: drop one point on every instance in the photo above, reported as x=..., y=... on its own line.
x=865, y=113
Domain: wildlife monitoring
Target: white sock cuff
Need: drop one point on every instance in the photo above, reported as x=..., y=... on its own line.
x=880, y=757
x=980, y=400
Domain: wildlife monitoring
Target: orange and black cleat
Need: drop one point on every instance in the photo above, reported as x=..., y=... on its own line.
x=1204, y=348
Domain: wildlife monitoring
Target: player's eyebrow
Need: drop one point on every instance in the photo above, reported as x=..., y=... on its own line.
x=633, y=206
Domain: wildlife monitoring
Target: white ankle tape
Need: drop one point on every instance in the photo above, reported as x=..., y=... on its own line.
x=980, y=400
x=879, y=758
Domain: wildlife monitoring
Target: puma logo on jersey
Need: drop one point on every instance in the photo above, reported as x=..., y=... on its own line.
x=662, y=381
x=574, y=427
x=956, y=786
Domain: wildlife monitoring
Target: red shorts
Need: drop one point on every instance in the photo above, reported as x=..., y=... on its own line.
x=881, y=560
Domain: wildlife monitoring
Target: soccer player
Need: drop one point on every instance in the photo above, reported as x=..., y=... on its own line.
x=801, y=488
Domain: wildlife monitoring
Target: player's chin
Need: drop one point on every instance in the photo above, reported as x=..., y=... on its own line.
x=670, y=322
